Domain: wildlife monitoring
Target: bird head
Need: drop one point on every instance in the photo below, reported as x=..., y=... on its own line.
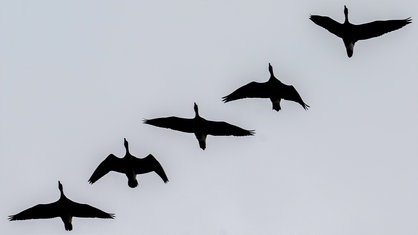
x=271, y=70
x=196, y=109
x=345, y=11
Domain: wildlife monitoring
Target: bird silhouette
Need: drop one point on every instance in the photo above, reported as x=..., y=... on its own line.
x=351, y=33
x=272, y=89
x=199, y=126
x=130, y=166
x=63, y=208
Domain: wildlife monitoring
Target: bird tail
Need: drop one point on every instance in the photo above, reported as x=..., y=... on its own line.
x=68, y=226
x=202, y=144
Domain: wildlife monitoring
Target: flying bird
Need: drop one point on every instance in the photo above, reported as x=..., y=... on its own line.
x=273, y=89
x=63, y=208
x=130, y=166
x=351, y=33
x=199, y=126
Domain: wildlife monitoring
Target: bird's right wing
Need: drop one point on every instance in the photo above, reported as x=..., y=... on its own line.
x=40, y=211
x=87, y=211
x=148, y=164
x=223, y=128
x=175, y=123
x=328, y=23
x=251, y=90
x=111, y=163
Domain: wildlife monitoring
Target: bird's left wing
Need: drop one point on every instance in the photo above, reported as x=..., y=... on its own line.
x=111, y=163
x=40, y=211
x=175, y=123
x=328, y=23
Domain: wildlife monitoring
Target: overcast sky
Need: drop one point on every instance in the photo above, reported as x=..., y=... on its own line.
x=76, y=77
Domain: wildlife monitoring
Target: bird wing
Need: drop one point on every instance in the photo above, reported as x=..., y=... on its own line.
x=175, y=123
x=223, y=128
x=293, y=95
x=328, y=23
x=84, y=210
x=111, y=163
x=40, y=211
x=251, y=90
x=148, y=164
x=377, y=28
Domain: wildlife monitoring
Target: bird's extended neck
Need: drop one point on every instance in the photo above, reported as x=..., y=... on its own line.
x=196, y=110
x=125, y=143
x=61, y=188
x=271, y=71
x=346, y=14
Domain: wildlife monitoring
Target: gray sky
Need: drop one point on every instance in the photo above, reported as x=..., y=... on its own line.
x=76, y=77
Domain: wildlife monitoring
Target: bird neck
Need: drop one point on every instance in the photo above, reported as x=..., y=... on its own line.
x=345, y=14
x=62, y=192
x=127, y=150
x=196, y=110
x=271, y=72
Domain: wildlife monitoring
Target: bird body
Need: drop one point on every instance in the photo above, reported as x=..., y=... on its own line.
x=64, y=208
x=199, y=126
x=273, y=89
x=351, y=33
x=130, y=166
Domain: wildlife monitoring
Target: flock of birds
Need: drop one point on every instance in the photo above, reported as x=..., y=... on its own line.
x=272, y=89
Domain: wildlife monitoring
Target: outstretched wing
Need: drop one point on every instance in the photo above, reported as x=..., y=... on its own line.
x=251, y=90
x=329, y=24
x=84, y=210
x=377, y=28
x=291, y=94
x=148, y=164
x=223, y=128
x=111, y=163
x=40, y=211
x=175, y=123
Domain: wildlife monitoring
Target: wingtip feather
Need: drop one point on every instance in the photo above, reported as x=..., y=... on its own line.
x=225, y=99
x=408, y=20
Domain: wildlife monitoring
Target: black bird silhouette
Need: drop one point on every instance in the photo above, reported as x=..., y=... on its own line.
x=351, y=33
x=130, y=166
x=63, y=208
x=273, y=89
x=199, y=126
